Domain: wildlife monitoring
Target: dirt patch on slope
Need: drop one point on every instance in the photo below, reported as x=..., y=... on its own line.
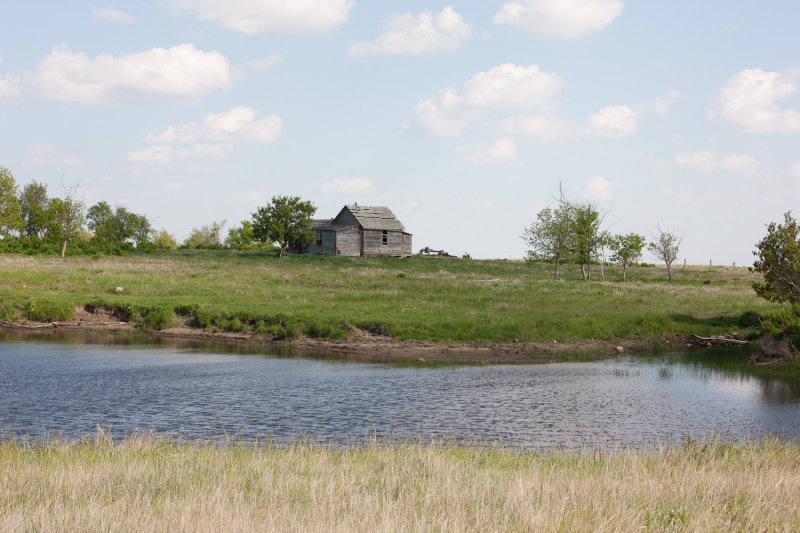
x=365, y=345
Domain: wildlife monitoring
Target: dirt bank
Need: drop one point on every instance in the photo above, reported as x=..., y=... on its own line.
x=363, y=345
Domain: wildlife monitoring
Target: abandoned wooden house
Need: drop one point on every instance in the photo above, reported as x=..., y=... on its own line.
x=360, y=230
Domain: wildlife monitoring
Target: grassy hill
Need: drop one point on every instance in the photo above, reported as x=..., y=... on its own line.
x=420, y=298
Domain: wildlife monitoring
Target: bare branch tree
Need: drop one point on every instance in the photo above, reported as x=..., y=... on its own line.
x=68, y=214
x=665, y=247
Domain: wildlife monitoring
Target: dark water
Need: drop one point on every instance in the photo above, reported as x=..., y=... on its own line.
x=48, y=389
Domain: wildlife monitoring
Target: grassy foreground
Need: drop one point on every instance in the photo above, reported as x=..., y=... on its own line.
x=418, y=298
x=146, y=485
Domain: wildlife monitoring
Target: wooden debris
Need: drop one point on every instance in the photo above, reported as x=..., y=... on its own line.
x=715, y=341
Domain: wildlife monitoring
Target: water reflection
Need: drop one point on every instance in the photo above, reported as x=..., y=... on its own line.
x=187, y=392
x=778, y=383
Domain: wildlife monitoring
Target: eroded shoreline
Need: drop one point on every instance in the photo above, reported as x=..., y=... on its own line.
x=362, y=344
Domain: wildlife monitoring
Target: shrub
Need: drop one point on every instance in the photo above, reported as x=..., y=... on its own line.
x=377, y=328
x=157, y=318
x=234, y=325
x=124, y=312
x=202, y=319
x=8, y=313
x=47, y=311
x=186, y=310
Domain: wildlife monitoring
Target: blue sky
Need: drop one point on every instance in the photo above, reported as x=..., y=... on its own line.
x=460, y=116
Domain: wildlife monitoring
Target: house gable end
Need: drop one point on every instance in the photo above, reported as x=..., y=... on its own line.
x=345, y=218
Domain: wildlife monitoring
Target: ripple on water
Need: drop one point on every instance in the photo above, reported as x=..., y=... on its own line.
x=47, y=389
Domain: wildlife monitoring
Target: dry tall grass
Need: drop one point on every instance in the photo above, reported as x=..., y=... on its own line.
x=146, y=485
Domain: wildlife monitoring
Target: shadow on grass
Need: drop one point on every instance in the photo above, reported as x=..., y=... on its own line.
x=719, y=321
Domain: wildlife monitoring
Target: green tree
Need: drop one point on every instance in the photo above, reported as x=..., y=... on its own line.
x=778, y=261
x=117, y=226
x=665, y=248
x=163, y=239
x=285, y=220
x=205, y=236
x=33, y=206
x=626, y=249
x=585, y=235
x=549, y=236
x=139, y=227
x=241, y=237
x=66, y=217
x=101, y=222
x=10, y=219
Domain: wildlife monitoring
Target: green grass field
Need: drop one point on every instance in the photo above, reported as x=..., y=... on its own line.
x=417, y=298
x=142, y=484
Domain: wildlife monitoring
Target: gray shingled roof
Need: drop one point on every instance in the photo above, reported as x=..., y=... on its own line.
x=375, y=217
x=321, y=223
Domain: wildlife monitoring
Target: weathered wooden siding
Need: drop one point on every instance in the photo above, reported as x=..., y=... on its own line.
x=395, y=245
x=348, y=241
x=328, y=246
x=406, y=248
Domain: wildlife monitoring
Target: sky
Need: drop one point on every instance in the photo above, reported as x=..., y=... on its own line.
x=462, y=117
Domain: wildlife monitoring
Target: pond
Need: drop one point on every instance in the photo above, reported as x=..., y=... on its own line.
x=49, y=389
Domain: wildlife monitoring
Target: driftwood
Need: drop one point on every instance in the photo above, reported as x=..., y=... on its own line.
x=716, y=341
x=27, y=326
x=70, y=325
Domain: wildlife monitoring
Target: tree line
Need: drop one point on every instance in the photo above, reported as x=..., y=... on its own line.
x=572, y=232
x=31, y=221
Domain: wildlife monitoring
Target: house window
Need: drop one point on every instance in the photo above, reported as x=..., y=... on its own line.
x=385, y=237
x=319, y=237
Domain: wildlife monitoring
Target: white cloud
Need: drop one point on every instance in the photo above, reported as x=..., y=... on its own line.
x=713, y=161
x=661, y=106
x=426, y=33
x=177, y=74
x=542, y=127
x=111, y=14
x=523, y=100
x=47, y=156
x=511, y=87
x=152, y=155
x=559, y=19
x=204, y=151
x=10, y=86
x=349, y=186
x=598, y=189
x=507, y=87
x=613, y=122
x=239, y=124
x=265, y=63
x=501, y=152
x=794, y=170
x=445, y=116
x=251, y=17
x=161, y=154
x=749, y=103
